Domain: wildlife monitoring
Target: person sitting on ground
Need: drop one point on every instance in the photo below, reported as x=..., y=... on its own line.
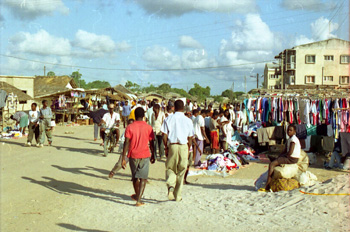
x=110, y=120
x=290, y=155
x=335, y=161
x=21, y=119
x=139, y=139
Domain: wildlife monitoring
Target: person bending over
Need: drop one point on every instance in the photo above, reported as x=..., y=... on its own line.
x=290, y=155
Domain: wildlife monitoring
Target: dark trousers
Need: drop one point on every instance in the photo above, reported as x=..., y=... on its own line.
x=158, y=144
x=33, y=130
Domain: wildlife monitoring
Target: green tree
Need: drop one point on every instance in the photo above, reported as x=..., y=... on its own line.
x=218, y=98
x=133, y=86
x=228, y=93
x=97, y=85
x=200, y=92
x=78, y=80
x=164, y=88
x=51, y=74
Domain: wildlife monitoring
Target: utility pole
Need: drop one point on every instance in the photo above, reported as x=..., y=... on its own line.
x=232, y=90
x=44, y=70
x=257, y=80
x=245, y=84
x=282, y=74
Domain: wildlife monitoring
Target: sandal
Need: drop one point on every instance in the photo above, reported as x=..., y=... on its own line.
x=111, y=174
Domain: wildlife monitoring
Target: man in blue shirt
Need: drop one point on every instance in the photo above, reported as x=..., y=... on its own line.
x=126, y=112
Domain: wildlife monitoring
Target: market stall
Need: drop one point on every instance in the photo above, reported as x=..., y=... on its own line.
x=11, y=100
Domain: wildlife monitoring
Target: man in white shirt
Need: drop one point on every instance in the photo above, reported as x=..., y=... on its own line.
x=33, y=126
x=149, y=113
x=157, y=120
x=177, y=132
x=111, y=120
x=232, y=114
x=239, y=117
x=199, y=132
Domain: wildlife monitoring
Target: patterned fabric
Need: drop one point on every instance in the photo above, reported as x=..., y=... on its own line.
x=284, y=185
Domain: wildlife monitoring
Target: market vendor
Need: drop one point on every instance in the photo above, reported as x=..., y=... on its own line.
x=290, y=155
x=21, y=119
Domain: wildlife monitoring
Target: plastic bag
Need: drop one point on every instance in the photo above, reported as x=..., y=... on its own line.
x=261, y=181
x=306, y=179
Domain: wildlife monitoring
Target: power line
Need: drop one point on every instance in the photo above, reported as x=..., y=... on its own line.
x=136, y=70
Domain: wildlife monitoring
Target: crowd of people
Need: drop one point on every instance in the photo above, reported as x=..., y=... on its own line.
x=178, y=131
x=38, y=122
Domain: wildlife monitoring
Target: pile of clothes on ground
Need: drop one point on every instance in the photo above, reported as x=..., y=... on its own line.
x=9, y=133
x=237, y=155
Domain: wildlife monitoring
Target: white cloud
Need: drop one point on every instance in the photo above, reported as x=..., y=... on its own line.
x=94, y=45
x=20, y=67
x=302, y=39
x=179, y=7
x=29, y=10
x=40, y=43
x=123, y=46
x=321, y=29
x=304, y=5
x=197, y=58
x=161, y=57
x=251, y=40
x=188, y=42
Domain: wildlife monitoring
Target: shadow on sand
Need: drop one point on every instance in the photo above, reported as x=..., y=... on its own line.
x=69, y=188
x=76, y=228
x=225, y=186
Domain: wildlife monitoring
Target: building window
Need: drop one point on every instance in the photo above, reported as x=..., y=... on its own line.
x=309, y=79
x=328, y=78
x=272, y=76
x=331, y=58
x=310, y=59
x=344, y=59
x=344, y=80
x=292, y=80
x=23, y=102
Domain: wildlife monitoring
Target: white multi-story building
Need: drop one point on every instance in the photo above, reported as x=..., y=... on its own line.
x=323, y=63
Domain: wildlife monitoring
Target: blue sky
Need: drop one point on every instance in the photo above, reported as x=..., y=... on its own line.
x=155, y=34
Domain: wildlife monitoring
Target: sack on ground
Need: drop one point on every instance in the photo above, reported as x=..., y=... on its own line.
x=286, y=171
x=306, y=179
x=284, y=185
x=261, y=181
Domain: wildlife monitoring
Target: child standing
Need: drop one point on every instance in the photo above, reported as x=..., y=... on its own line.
x=290, y=155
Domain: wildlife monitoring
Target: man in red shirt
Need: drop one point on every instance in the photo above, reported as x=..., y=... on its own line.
x=137, y=138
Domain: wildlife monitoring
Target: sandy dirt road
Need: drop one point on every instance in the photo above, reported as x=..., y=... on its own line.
x=65, y=188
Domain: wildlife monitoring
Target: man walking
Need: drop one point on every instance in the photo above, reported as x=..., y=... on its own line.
x=177, y=132
x=138, y=136
x=45, y=124
x=126, y=112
